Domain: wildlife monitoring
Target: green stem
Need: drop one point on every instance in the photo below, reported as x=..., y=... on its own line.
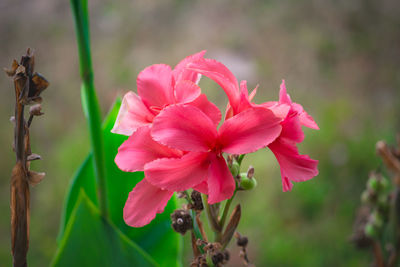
x=226, y=210
x=196, y=230
x=211, y=219
x=240, y=158
x=89, y=100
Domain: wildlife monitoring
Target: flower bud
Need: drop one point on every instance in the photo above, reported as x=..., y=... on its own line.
x=365, y=197
x=247, y=183
x=371, y=230
x=234, y=168
x=384, y=183
x=373, y=184
x=377, y=219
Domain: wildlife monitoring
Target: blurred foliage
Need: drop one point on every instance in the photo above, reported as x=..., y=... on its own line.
x=90, y=240
x=157, y=239
x=340, y=60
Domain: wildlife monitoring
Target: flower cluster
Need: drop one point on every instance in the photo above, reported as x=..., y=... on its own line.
x=175, y=139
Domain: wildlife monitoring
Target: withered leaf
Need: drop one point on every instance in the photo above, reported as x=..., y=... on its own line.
x=36, y=110
x=35, y=177
x=32, y=157
x=14, y=66
x=232, y=225
x=38, y=85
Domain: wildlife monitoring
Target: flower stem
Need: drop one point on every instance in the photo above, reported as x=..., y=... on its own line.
x=196, y=230
x=89, y=99
x=211, y=218
x=226, y=210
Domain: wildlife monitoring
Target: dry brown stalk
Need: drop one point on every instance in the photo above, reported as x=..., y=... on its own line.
x=28, y=86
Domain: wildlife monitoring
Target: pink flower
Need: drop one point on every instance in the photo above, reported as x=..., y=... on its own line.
x=202, y=167
x=145, y=200
x=187, y=128
x=159, y=86
x=139, y=150
x=294, y=167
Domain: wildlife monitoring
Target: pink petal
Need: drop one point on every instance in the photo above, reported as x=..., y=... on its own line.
x=249, y=131
x=221, y=75
x=178, y=174
x=201, y=187
x=294, y=166
x=184, y=127
x=144, y=202
x=221, y=184
x=181, y=73
x=228, y=112
x=132, y=115
x=154, y=85
x=280, y=110
x=186, y=91
x=291, y=128
x=243, y=89
x=253, y=93
x=140, y=149
x=287, y=185
x=245, y=102
x=208, y=108
x=305, y=119
x=284, y=98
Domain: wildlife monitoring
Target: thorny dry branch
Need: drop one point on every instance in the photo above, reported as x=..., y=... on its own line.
x=28, y=86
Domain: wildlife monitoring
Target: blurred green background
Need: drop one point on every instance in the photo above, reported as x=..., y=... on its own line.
x=340, y=59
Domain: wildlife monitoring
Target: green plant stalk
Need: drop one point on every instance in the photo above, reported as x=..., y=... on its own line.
x=196, y=230
x=213, y=223
x=229, y=201
x=226, y=210
x=89, y=98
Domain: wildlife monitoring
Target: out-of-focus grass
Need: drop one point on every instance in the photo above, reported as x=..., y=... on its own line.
x=339, y=59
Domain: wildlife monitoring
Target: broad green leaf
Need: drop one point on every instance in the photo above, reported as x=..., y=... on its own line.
x=84, y=179
x=90, y=240
x=157, y=238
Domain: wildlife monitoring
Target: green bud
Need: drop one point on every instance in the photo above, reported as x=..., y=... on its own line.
x=383, y=200
x=377, y=219
x=373, y=183
x=234, y=168
x=365, y=198
x=370, y=230
x=247, y=183
x=384, y=183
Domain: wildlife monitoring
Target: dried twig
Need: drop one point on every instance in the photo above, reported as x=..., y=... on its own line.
x=242, y=242
x=28, y=87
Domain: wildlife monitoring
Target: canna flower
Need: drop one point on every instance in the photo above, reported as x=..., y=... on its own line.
x=145, y=200
x=187, y=128
x=159, y=86
x=294, y=167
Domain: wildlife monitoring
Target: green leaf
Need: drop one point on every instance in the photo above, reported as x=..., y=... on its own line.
x=84, y=179
x=90, y=240
x=157, y=238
